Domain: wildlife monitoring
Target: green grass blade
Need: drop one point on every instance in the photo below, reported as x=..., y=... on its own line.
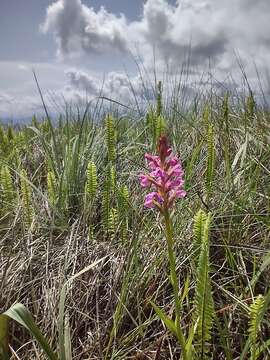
x=4, y=349
x=19, y=313
x=163, y=317
x=67, y=335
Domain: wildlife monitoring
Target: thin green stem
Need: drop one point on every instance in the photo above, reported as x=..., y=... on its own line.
x=174, y=281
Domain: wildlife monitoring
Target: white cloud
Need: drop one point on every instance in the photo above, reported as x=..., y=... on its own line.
x=114, y=85
x=77, y=27
x=14, y=107
x=214, y=29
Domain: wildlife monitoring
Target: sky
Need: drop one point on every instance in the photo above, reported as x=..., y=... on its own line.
x=77, y=47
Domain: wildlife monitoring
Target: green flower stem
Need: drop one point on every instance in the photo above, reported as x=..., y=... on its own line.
x=174, y=281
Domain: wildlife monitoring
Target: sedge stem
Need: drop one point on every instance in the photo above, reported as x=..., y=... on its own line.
x=174, y=281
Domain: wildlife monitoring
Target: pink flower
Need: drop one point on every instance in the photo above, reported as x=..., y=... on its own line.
x=166, y=176
x=172, y=184
x=152, y=199
x=144, y=180
x=176, y=171
x=180, y=194
x=173, y=161
x=175, y=194
x=153, y=161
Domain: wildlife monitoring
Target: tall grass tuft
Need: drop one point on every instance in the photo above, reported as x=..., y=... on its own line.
x=75, y=179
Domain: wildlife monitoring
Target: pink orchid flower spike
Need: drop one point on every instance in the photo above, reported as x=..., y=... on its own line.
x=166, y=177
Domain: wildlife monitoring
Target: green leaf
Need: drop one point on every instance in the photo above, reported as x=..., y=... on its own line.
x=256, y=313
x=19, y=313
x=198, y=229
x=68, y=349
x=163, y=317
x=62, y=352
x=189, y=343
x=4, y=350
x=204, y=305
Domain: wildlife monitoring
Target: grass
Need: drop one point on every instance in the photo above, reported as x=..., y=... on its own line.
x=80, y=252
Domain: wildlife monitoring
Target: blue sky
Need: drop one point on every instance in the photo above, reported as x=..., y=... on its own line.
x=74, y=45
x=19, y=27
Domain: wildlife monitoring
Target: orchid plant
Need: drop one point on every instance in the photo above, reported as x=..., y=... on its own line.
x=166, y=177
x=166, y=181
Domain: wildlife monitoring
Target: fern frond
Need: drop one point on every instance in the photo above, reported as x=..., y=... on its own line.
x=123, y=199
x=112, y=222
x=198, y=230
x=204, y=305
x=111, y=138
x=91, y=180
x=256, y=313
x=6, y=182
x=113, y=179
x=160, y=127
x=106, y=201
x=3, y=140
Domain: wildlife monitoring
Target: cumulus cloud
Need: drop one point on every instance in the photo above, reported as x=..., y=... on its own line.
x=212, y=28
x=82, y=81
x=208, y=36
x=77, y=27
x=172, y=30
x=115, y=85
x=141, y=88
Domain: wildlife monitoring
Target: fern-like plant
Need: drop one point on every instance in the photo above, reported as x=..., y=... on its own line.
x=160, y=126
x=256, y=313
x=52, y=187
x=106, y=201
x=198, y=229
x=113, y=178
x=123, y=199
x=90, y=194
x=91, y=180
x=204, y=305
x=111, y=138
x=112, y=222
x=6, y=182
x=3, y=141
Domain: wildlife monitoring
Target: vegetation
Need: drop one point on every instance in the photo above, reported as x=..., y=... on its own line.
x=81, y=253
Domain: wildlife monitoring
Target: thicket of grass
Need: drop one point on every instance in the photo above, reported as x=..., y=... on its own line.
x=70, y=197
